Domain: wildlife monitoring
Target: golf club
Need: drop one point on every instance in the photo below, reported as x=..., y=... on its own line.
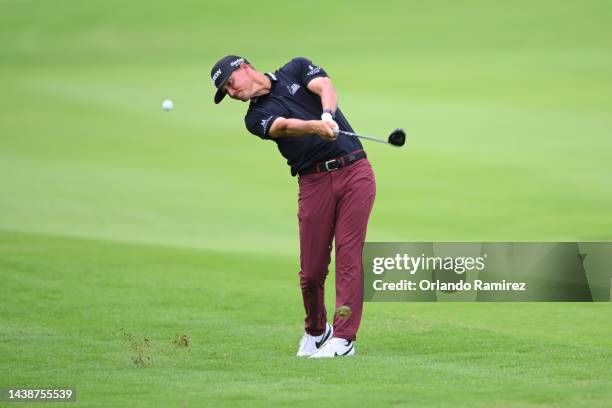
x=396, y=138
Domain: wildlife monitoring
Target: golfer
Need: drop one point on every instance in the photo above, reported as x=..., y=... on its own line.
x=297, y=108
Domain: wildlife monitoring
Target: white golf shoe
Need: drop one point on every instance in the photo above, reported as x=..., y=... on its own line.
x=336, y=347
x=310, y=344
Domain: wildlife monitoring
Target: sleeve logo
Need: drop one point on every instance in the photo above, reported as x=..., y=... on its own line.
x=264, y=123
x=313, y=70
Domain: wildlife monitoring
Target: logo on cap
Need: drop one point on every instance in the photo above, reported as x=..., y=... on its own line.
x=237, y=62
x=216, y=75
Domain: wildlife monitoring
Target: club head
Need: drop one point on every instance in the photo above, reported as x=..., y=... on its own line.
x=397, y=137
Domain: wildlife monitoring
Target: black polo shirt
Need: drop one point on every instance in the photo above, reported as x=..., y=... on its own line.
x=290, y=98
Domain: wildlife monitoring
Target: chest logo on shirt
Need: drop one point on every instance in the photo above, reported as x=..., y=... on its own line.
x=293, y=88
x=313, y=70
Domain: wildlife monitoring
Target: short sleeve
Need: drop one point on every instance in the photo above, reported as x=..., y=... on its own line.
x=306, y=70
x=258, y=120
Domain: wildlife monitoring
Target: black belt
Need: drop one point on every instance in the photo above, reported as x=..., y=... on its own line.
x=334, y=164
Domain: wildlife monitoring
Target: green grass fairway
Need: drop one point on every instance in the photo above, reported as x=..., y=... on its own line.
x=80, y=309
x=120, y=222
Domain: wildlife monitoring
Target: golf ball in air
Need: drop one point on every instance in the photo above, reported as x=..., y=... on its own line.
x=167, y=105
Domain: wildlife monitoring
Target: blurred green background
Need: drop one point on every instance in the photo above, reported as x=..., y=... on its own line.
x=507, y=108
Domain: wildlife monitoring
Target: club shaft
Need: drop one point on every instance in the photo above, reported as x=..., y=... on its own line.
x=374, y=139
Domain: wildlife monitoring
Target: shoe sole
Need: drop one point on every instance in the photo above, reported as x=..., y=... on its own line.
x=349, y=353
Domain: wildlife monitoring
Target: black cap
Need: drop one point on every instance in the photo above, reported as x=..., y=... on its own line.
x=221, y=72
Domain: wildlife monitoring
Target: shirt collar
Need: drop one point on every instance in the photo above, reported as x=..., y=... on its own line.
x=271, y=76
x=273, y=80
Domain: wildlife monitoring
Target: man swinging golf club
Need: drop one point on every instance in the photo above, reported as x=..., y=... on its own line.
x=296, y=107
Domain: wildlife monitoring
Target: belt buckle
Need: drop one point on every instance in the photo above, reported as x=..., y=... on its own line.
x=333, y=168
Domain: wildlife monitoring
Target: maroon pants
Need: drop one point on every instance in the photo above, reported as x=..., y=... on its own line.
x=335, y=204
